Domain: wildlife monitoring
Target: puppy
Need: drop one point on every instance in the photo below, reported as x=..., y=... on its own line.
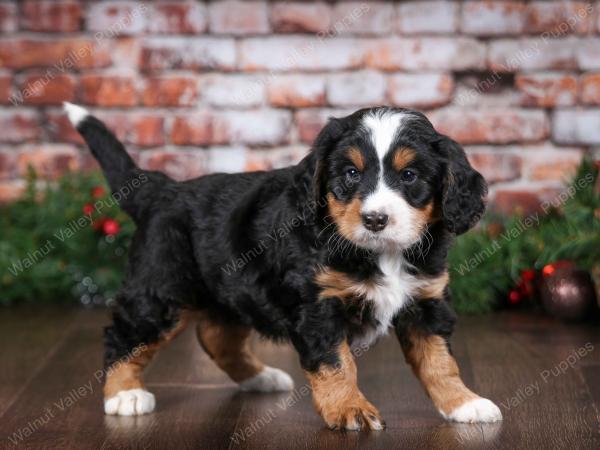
x=328, y=254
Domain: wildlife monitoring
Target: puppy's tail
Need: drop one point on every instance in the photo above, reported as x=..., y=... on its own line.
x=126, y=180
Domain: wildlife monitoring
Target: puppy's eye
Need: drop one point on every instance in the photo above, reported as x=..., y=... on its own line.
x=352, y=172
x=408, y=176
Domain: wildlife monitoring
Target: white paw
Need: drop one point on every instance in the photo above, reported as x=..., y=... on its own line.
x=133, y=402
x=478, y=410
x=269, y=380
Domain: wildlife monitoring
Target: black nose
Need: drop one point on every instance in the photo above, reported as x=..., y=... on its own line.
x=375, y=221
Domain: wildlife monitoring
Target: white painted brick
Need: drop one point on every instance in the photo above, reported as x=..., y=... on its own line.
x=356, y=88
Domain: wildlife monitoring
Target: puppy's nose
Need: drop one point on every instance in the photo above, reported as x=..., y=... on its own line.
x=374, y=221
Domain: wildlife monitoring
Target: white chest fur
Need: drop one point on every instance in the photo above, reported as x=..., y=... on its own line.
x=393, y=290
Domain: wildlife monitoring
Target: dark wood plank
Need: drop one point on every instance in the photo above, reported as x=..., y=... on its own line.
x=198, y=406
x=556, y=412
x=26, y=344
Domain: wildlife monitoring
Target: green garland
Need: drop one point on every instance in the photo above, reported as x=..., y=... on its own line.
x=53, y=247
x=53, y=251
x=487, y=262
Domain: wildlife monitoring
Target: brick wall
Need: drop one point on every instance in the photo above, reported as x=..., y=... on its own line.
x=195, y=87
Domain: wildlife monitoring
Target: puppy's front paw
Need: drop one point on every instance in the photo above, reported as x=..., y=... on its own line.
x=354, y=414
x=133, y=402
x=477, y=410
x=269, y=379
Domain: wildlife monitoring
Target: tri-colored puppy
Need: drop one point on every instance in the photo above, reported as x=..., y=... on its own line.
x=328, y=254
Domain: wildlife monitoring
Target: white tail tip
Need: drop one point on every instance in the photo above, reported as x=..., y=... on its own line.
x=75, y=113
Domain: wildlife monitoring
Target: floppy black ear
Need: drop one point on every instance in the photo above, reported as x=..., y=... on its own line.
x=463, y=189
x=323, y=145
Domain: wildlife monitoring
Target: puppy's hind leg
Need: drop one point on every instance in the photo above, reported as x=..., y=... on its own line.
x=227, y=345
x=138, y=331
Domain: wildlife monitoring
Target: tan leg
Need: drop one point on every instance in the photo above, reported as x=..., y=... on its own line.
x=124, y=391
x=337, y=398
x=228, y=347
x=438, y=372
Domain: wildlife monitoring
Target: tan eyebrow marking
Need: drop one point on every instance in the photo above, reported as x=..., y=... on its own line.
x=356, y=157
x=403, y=157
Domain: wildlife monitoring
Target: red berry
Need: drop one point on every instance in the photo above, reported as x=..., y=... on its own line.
x=110, y=227
x=88, y=209
x=528, y=275
x=514, y=297
x=98, y=192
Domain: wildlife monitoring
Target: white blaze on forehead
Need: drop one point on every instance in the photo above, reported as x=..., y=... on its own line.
x=402, y=227
x=383, y=128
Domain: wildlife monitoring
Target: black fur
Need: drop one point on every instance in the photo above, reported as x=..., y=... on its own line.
x=246, y=247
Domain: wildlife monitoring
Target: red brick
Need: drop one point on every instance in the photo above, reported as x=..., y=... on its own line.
x=297, y=91
x=44, y=90
x=588, y=54
x=494, y=165
x=427, y=17
x=362, y=18
x=8, y=163
x=5, y=88
x=558, y=17
x=547, y=90
x=423, y=90
x=436, y=53
x=309, y=122
x=179, y=164
x=553, y=165
x=307, y=53
x=485, y=18
x=177, y=17
x=356, y=88
x=48, y=15
x=188, y=53
x=108, y=90
x=48, y=160
x=497, y=126
x=170, y=91
x=61, y=130
x=238, y=17
x=11, y=190
x=590, y=89
x=235, y=91
x=193, y=129
x=509, y=55
x=147, y=131
x=508, y=201
x=118, y=17
x=294, y=17
x=8, y=17
x=60, y=55
x=264, y=127
x=571, y=126
x=19, y=126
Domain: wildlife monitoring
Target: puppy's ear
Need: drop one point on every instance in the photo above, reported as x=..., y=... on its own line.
x=323, y=145
x=463, y=189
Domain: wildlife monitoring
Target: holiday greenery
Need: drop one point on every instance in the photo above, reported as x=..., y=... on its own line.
x=63, y=242
x=68, y=241
x=499, y=262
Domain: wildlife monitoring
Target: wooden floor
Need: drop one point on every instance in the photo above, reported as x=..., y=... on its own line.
x=544, y=375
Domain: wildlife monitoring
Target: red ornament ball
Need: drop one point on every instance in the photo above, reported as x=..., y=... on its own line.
x=98, y=192
x=111, y=227
x=549, y=269
x=88, y=209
